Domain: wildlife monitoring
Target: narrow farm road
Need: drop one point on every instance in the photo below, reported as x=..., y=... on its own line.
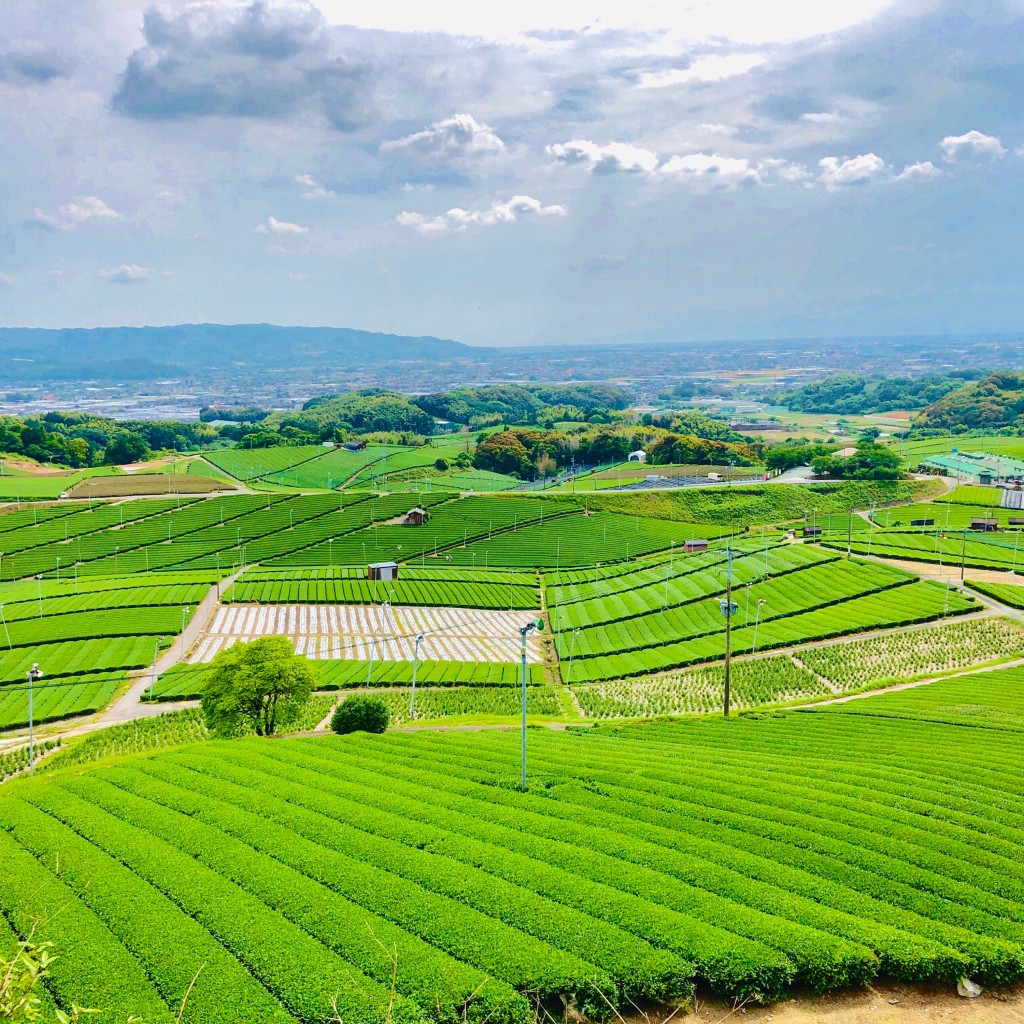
x=969, y=671
x=129, y=706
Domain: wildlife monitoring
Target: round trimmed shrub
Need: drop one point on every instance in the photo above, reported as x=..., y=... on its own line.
x=360, y=714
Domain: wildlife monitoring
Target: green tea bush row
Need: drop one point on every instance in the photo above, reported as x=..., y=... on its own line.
x=753, y=682
x=916, y=652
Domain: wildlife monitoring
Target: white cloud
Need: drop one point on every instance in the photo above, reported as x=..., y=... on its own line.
x=827, y=117
x=783, y=170
x=6, y=281
x=316, y=190
x=69, y=216
x=426, y=187
x=713, y=128
x=711, y=171
x=127, y=273
x=616, y=156
x=839, y=172
x=458, y=137
x=273, y=226
x=703, y=171
x=705, y=69
x=458, y=219
x=738, y=20
x=972, y=145
x=922, y=170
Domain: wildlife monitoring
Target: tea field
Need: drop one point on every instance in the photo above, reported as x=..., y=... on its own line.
x=785, y=596
x=812, y=672
x=405, y=877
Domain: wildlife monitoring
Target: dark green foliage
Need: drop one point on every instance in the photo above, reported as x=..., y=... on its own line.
x=372, y=409
x=360, y=714
x=870, y=461
x=993, y=402
x=852, y=393
x=517, y=403
x=261, y=685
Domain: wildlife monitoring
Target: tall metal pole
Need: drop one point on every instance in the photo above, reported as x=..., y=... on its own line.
x=34, y=675
x=522, y=676
x=728, y=625
x=757, y=619
x=152, y=672
x=963, y=557
x=415, y=666
x=572, y=649
x=6, y=630
x=184, y=612
x=524, y=631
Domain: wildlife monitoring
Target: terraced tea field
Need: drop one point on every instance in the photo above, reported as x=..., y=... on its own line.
x=812, y=849
x=812, y=672
x=86, y=641
x=784, y=596
x=187, y=680
x=622, y=598
x=464, y=588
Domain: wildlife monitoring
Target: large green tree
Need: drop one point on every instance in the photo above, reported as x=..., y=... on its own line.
x=261, y=686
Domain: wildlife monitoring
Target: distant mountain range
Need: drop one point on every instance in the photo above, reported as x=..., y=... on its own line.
x=146, y=353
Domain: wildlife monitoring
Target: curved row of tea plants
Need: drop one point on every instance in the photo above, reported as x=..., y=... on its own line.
x=815, y=849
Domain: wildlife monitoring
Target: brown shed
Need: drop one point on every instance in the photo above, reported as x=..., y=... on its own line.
x=985, y=525
x=696, y=544
x=384, y=571
x=416, y=516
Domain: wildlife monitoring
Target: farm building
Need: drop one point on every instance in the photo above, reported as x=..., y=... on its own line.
x=354, y=446
x=811, y=531
x=697, y=544
x=985, y=525
x=986, y=469
x=638, y=456
x=383, y=571
x=416, y=516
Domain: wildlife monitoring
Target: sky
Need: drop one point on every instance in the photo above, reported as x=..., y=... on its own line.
x=563, y=171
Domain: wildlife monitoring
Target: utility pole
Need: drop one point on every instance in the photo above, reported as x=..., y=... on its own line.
x=727, y=611
x=415, y=666
x=34, y=675
x=524, y=631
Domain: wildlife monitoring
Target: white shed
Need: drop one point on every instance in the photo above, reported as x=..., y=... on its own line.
x=638, y=456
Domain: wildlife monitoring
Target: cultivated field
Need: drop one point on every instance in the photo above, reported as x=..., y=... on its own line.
x=361, y=632
x=816, y=850
x=405, y=878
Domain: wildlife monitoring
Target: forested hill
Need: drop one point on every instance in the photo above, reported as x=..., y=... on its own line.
x=994, y=401
x=27, y=352
x=853, y=394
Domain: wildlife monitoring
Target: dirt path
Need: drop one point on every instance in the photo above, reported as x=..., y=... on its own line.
x=878, y=1004
x=966, y=671
x=934, y=571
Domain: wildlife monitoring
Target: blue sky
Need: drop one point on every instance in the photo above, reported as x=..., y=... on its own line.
x=546, y=172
